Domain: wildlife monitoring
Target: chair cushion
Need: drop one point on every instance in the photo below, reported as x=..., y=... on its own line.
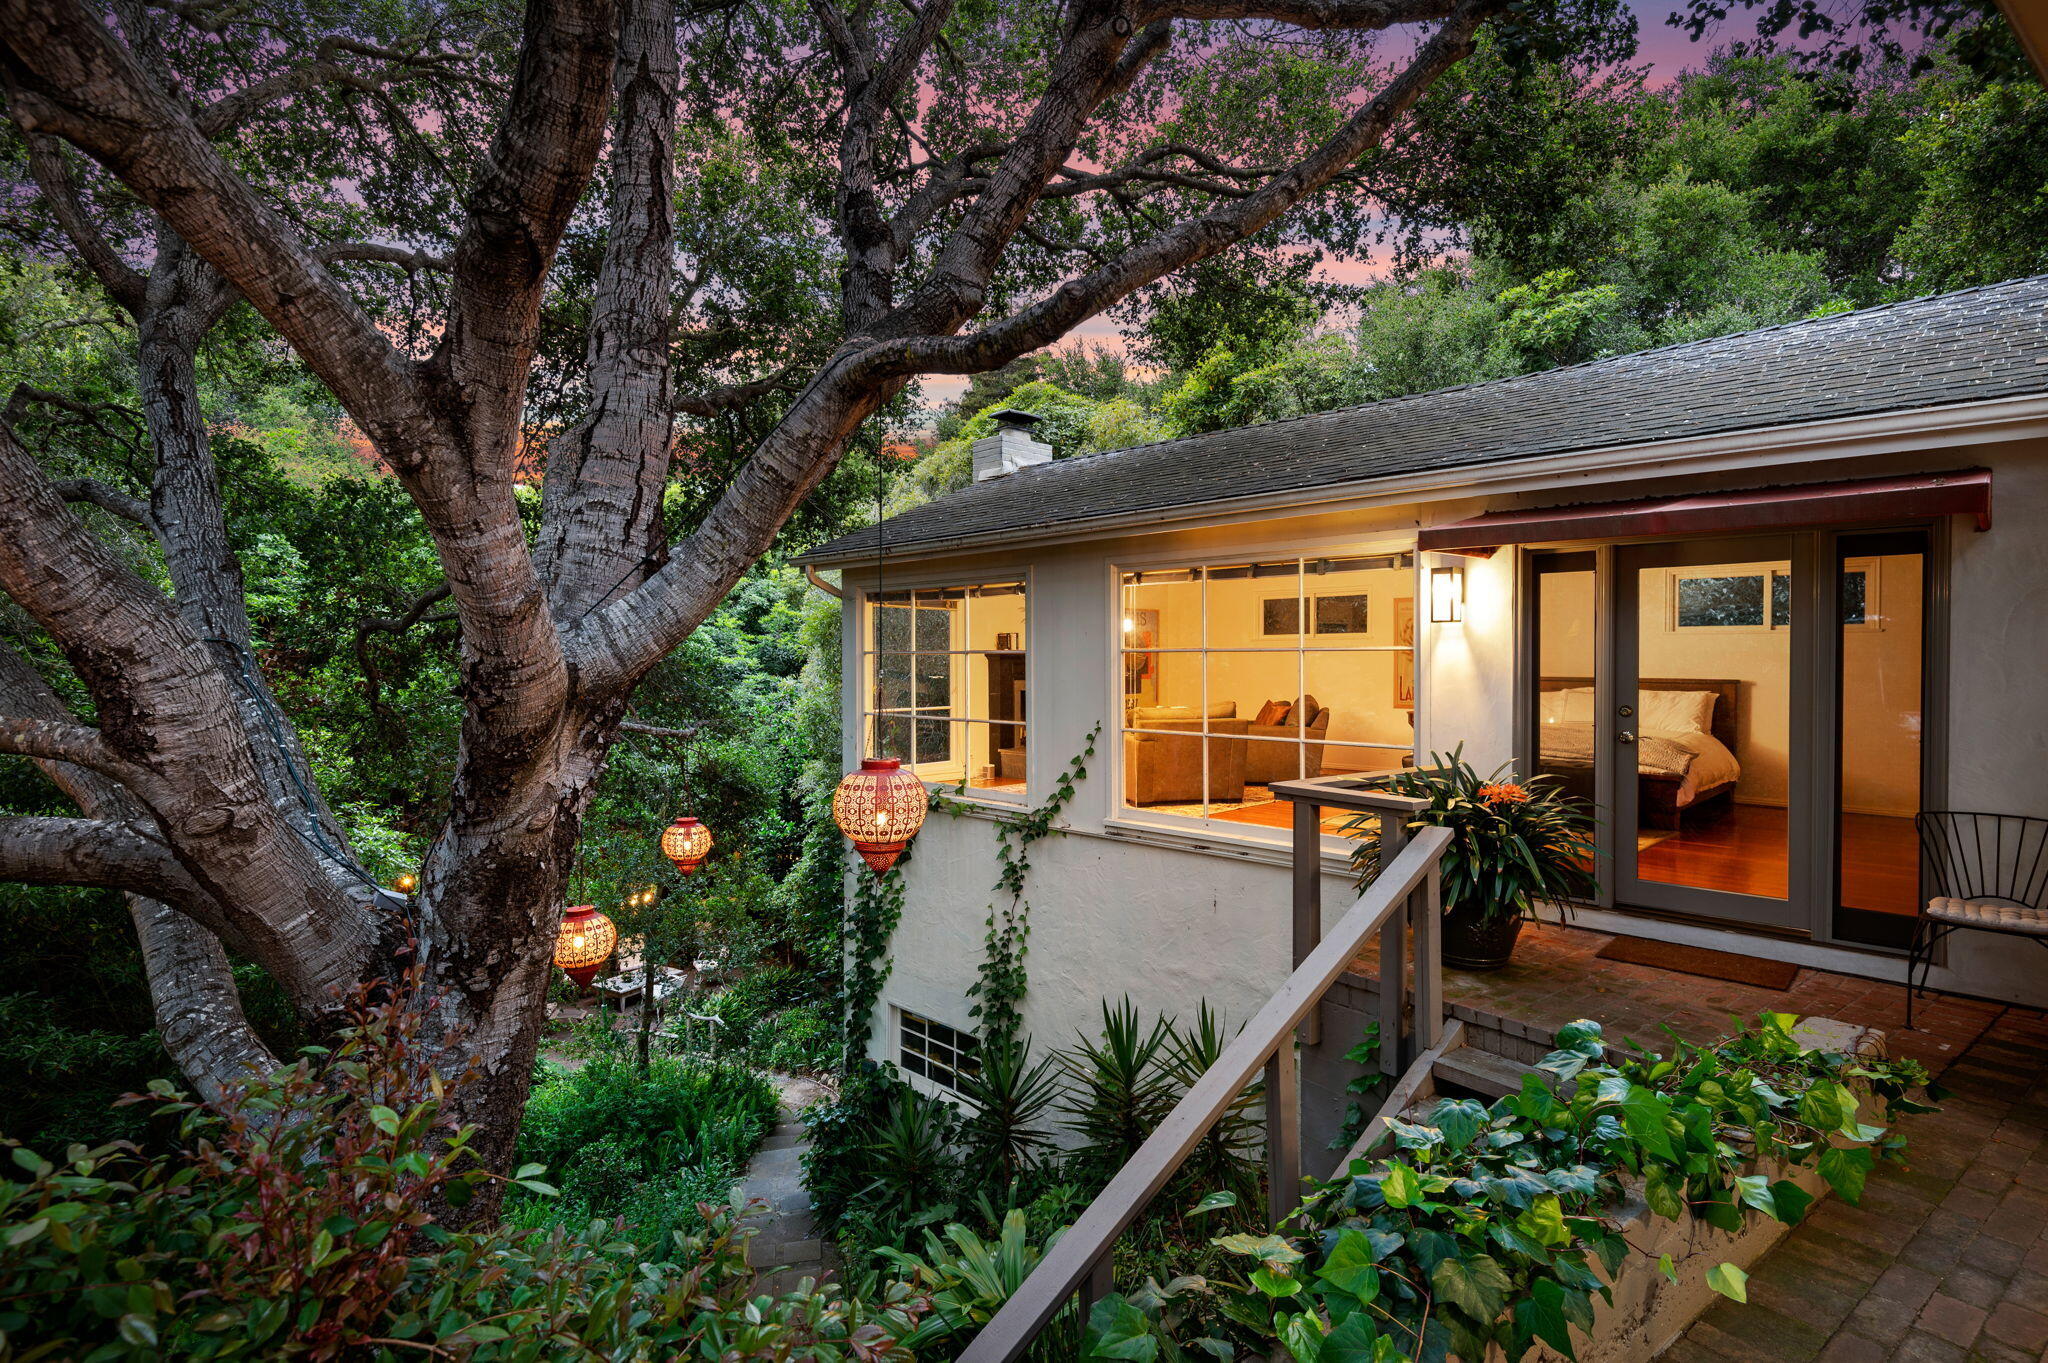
x=1274, y=712
x=1989, y=914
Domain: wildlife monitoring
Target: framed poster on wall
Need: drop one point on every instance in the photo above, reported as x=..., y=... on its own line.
x=1404, y=661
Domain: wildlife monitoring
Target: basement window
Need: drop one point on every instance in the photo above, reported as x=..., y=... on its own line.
x=932, y=1050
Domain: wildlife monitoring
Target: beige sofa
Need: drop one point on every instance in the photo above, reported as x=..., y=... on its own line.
x=1163, y=761
x=1266, y=763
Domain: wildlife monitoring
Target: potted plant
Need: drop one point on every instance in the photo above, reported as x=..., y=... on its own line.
x=1513, y=843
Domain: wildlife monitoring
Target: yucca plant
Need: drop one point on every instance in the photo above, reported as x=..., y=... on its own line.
x=1513, y=843
x=967, y=1279
x=1228, y=1155
x=913, y=1154
x=1003, y=1131
x=1120, y=1087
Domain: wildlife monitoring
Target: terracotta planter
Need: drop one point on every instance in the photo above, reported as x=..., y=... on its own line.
x=1473, y=942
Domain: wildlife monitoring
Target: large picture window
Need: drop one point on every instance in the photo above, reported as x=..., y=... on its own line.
x=945, y=684
x=1242, y=673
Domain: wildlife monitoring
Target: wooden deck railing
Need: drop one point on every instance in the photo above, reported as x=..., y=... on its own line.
x=1404, y=893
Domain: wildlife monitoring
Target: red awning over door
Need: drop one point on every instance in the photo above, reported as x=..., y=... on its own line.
x=1807, y=507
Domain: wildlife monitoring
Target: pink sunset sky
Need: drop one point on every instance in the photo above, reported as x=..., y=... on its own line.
x=1665, y=50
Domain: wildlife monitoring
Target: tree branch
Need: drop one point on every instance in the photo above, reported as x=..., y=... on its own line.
x=733, y=395
x=410, y=261
x=52, y=172
x=60, y=741
x=106, y=498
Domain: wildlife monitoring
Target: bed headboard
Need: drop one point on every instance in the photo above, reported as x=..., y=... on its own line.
x=1727, y=696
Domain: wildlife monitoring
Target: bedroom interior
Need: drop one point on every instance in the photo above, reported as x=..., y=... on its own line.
x=1711, y=723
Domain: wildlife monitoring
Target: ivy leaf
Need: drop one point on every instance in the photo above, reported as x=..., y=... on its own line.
x=1213, y=1202
x=1353, y=1341
x=1660, y=1191
x=1275, y=1284
x=1267, y=1249
x=1540, y=1315
x=1543, y=1222
x=1755, y=1189
x=1460, y=1119
x=1399, y=1186
x=1791, y=1200
x=1478, y=1286
x=1844, y=1168
x=1643, y=1115
x=1730, y=1281
x=1302, y=1333
x=1349, y=1267
x=1667, y=1268
x=1117, y=1329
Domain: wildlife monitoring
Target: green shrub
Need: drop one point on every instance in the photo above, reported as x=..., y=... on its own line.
x=300, y=1223
x=643, y=1147
x=1484, y=1225
x=802, y=1040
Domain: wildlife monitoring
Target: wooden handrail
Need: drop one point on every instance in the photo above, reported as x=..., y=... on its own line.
x=1085, y=1247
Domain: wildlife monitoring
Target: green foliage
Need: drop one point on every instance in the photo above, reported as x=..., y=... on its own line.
x=644, y=1147
x=1485, y=1227
x=1983, y=216
x=1120, y=1088
x=1512, y=843
x=1003, y=1130
x=1364, y=1093
x=301, y=1223
x=966, y=1280
x=1000, y=986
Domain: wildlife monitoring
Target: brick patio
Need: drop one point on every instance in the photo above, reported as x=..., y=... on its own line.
x=1946, y=1258
x=1557, y=976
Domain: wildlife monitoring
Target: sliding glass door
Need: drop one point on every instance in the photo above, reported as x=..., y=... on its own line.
x=1749, y=715
x=1709, y=777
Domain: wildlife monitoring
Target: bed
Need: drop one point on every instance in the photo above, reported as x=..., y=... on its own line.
x=1685, y=775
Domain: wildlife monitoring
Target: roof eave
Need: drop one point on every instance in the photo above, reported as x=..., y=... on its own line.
x=1938, y=427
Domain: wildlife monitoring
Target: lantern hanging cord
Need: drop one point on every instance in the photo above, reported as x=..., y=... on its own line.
x=313, y=836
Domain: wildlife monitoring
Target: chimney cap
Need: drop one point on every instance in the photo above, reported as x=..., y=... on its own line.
x=1015, y=419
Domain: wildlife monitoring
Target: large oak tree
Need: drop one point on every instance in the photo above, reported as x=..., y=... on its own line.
x=986, y=178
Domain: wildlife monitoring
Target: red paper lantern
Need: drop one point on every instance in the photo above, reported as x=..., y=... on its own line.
x=585, y=943
x=880, y=807
x=686, y=843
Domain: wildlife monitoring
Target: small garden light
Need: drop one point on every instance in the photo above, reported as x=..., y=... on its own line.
x=585, y=943
x=686, y=842
x=406, y=883
x=880, y=807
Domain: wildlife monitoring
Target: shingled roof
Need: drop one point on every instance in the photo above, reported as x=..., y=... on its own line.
x=1969, y=346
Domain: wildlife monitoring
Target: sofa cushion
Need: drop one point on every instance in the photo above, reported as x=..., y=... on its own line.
x=1274, y=712
x=1221, y=710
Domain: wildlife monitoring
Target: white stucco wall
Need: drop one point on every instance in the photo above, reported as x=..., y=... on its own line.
x=1173, y=917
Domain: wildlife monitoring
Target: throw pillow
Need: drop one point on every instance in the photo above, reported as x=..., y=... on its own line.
x=1273, y=712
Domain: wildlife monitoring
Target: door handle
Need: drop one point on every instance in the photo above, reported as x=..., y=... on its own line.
x=1624, y=737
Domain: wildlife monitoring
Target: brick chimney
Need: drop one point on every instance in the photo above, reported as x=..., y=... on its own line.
x=1012, y=447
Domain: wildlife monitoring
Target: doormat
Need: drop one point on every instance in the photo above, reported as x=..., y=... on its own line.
x=1714, y=965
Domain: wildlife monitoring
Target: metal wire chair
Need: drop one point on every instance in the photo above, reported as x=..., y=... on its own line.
x=1990, y=873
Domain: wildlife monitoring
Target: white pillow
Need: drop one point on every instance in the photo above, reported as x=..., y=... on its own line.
x=1572, y=705
x=1678, y=712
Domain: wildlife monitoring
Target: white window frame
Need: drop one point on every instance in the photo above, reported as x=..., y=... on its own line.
x=949, y=777
x=908, y=1020
x=1151, y=821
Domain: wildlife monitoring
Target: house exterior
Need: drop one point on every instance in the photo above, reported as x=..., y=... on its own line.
x=1748, y=594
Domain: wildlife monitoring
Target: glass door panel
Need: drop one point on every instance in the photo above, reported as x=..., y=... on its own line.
x=1705, y=768
x=1880, y=638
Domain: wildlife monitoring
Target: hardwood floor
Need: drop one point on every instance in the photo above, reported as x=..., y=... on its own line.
x=1744, y=853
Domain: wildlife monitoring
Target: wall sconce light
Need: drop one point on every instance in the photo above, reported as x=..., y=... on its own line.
x=1446, y=595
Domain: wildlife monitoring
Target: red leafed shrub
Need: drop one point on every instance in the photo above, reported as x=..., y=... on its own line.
x=298, y=1221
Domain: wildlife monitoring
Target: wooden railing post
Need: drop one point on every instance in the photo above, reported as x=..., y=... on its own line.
x=1308, y=899
x=1393, y=947
x=1283, y=1132
x=1426, y=918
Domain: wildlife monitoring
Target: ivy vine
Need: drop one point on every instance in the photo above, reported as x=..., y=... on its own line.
x=999, y=988
x=870, y=926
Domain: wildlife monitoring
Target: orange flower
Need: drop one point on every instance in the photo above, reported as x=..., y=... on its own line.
x=1503, y=793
